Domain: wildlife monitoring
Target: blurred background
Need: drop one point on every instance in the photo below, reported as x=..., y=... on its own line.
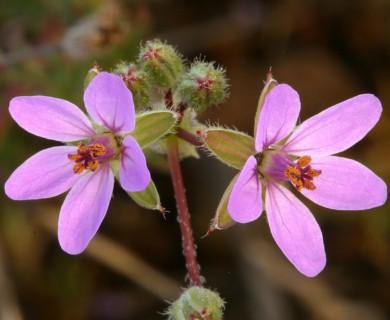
x=328, y=51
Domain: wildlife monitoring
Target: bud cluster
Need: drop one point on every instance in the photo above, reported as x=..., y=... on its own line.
x=159, y=77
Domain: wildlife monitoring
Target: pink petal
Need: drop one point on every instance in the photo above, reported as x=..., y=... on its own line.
x=110, y=103
x=51, y=118
x=278, y=116
x=46, y=174
x=134, y=173
x=245, y=203
x=295, y=230
x=345, y=184
x=336, y=128
x=84, y=209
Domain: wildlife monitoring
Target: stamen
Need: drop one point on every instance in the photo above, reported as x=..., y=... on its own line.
x=303, y=161
x=301, y=175
x=85, y=158
x=308, y=184
x=313, y=173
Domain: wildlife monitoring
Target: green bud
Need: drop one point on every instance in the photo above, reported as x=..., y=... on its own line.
x=197, y=303
x=137, y=82
x=230, y=146
x=203, y=85
x=92, y=73
x=162, y=63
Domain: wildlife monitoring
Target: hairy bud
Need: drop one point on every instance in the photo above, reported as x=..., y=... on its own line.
x=197, y=303
x=203, y=85
x=162, y=63
x=137, y=82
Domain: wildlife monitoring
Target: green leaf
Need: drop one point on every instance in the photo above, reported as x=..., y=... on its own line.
x=230, y=146
x=148, y=198
x=152, y=125
x=222, y=219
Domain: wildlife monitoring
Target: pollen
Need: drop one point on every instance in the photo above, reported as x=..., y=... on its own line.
x=301, y=174
x=86, y=157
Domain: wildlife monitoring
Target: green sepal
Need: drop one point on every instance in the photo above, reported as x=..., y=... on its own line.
x=148, y=198
x=152, y=125
x=269, y=85
x=222, y=219
x=230, y=146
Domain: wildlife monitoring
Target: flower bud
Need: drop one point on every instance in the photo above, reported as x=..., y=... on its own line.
x=137, y=82
x=203, y=85
x=197, y=303
x=92, y=73
x=162, y=63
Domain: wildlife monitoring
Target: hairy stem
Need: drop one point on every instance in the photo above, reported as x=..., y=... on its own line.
x=184, y=215
x=189, y=137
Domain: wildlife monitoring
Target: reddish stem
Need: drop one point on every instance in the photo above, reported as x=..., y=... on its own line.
x=189, y=137
x=169, y=99
x=184, y=215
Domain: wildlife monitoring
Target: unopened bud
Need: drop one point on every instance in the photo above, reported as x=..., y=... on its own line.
x=203, y=85
x=137, y=82
x=162, y=63
x=92, y=73
x=197, y=303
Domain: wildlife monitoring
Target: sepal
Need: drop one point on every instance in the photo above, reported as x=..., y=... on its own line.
x=148, y=198
x=230, y=146
x=92, y=73
x=152, y=125
x=222, y=219
x=270, y=83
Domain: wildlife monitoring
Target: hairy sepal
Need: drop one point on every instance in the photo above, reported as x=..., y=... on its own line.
x=222, y=219
x=230, y=146
x=148, y=198
x=152, y=125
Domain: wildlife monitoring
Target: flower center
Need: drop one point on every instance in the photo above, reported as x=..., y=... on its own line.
x=86, y=157
x=301, y=175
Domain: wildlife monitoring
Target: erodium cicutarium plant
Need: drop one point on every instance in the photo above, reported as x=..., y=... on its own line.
x=152, y=104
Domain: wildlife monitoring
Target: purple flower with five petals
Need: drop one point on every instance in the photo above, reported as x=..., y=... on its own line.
x=304, y=157
x=87, y=169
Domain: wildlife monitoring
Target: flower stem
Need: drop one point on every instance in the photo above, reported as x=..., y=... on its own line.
x=184, y=215
x=189, y=137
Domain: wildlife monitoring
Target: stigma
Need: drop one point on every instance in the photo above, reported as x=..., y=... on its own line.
x=86, y=157
x=301, y=174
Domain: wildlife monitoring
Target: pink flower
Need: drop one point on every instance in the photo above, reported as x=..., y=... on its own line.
x=303, y=157
x=87, y=169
